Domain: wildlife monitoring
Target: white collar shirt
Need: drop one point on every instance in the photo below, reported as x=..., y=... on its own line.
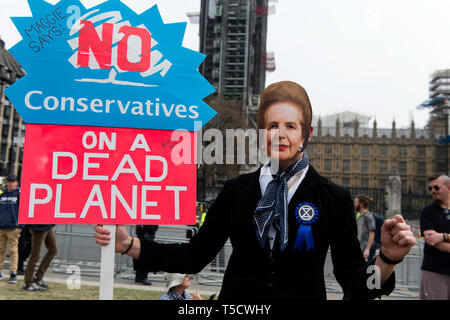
x=294, y=182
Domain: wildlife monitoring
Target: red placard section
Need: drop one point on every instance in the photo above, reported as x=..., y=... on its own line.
x=98, y=175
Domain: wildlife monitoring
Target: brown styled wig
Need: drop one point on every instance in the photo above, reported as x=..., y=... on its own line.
x=287, y=91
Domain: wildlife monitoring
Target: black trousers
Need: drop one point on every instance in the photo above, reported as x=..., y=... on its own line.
x=144, y=233
x=24, y=246
x=141, y=275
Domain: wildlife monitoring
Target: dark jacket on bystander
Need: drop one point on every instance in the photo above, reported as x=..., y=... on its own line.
x=9, y=209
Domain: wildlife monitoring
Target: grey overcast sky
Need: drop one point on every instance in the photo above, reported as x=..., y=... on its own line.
x=366, y=56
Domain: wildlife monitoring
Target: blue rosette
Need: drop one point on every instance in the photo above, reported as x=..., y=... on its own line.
x=306, y=213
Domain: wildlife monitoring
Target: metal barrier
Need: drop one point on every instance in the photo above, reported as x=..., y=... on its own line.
x=165, y=234
x=212, y=274
x=76, y=246
x=407, y=274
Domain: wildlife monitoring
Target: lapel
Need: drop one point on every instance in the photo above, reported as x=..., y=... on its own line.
x=249, y=191
x=308, y=187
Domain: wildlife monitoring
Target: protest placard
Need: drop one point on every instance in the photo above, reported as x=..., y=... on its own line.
x=111, y=101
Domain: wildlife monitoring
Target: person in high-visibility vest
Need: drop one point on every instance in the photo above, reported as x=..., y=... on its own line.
x=202, y=219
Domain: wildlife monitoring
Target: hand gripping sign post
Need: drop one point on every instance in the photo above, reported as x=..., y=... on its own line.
x=112, y=101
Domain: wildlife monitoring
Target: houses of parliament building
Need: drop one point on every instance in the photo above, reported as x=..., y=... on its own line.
x=354, y=154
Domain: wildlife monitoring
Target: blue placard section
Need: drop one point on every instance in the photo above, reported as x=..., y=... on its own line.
x=107, y=66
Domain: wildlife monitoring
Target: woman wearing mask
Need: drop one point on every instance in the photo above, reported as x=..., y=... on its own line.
x=281, y=220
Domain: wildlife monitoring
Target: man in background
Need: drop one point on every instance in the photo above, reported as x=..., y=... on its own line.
x=435, y=226
x=9, y=226
x=366, y=225
x=40, y=234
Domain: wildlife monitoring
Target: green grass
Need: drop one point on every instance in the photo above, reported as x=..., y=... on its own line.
x=59, y=291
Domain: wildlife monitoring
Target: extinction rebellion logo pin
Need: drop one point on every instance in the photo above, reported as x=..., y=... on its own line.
x=307, y=214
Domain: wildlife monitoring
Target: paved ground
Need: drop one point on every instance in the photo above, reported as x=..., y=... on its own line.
x=77, y=246
x=333, y=293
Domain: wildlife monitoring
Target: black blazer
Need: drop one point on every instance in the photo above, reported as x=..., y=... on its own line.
x=254, y=273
